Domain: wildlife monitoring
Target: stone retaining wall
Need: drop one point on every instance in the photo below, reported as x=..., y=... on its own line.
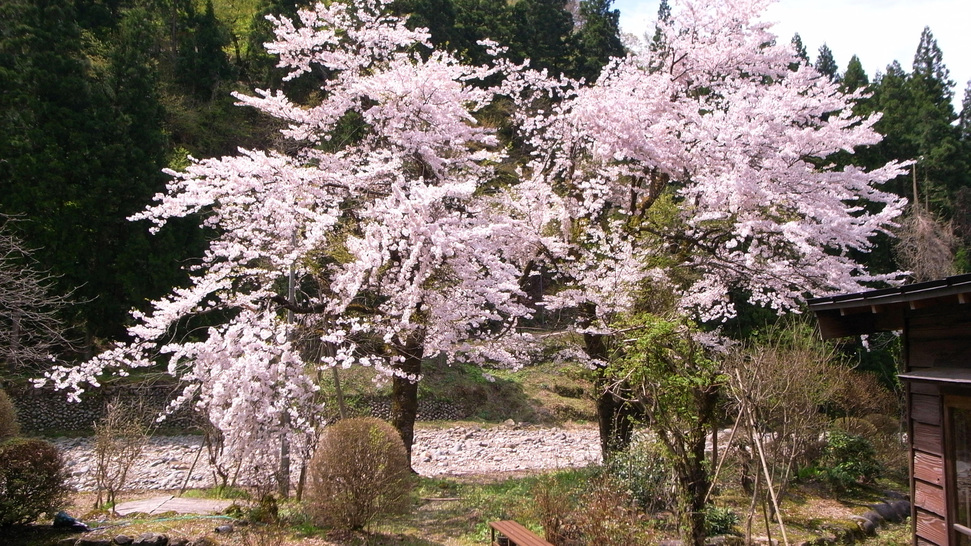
x=45, y=411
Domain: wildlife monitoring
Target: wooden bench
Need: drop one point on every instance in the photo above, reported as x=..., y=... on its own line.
x=513, y=534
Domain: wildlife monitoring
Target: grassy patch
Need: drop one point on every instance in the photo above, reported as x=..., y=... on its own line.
x=547, y=393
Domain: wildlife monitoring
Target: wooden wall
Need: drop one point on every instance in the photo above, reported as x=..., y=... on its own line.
x=927, y=473
x=934, y=337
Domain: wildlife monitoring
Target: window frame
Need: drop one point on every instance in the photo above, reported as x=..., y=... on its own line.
x=954, y=399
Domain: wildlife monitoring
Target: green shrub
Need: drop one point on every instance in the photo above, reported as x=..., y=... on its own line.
x=360, y=471
x=644, y=473
x=32, y=481
x=720, y=521
x=847, y=460
x=8, y=417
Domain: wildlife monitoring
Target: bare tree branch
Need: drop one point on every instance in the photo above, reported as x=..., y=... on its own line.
x=30, y=326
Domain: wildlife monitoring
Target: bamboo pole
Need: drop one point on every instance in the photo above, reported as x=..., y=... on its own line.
x=765, y=466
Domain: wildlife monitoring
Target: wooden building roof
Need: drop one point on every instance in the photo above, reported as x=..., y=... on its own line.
x=883, y=310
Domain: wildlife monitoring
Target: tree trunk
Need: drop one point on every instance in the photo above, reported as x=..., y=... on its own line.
x=404, y=393
x=614, y=415
x=615, y=419
x=695, y=482
x=694, y=478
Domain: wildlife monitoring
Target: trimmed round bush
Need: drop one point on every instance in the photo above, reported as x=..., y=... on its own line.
x=8, y=417
x=359, y=471
x=32, y=481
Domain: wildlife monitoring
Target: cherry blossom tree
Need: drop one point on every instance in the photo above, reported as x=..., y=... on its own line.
x=370, y=238
x=698, y=170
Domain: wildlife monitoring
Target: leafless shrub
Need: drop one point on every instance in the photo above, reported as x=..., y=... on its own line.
x=120, y=437
x=597, y=511
x=874, y=412
x=797, y=389
x=224, y=470
x=30, y=325
x=553, y=505
x=925, y=246
x=608, y=515
x=860, y=394
x=783, y=382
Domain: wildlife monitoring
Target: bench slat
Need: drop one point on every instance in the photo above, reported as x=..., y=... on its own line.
x=518, y=534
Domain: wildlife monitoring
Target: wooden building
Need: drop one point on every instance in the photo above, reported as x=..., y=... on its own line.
x=934, y=319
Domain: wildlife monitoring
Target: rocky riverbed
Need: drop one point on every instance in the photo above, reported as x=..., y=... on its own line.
x=457, y=451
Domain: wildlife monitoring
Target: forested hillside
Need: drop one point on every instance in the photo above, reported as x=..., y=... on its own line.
x=97, y=97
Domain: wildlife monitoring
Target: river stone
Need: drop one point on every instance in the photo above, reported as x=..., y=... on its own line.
x=93, y=541
x=151, y=539
x=886, y=512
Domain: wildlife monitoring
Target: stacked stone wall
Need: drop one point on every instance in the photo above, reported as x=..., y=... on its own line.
x=47, y=412
x=44, y=411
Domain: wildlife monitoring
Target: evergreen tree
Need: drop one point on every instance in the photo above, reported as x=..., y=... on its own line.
x=964, y=119
x=259, y=67
x=930, y=70
x=826, y=64
x=83, y=150
x=800, y=51
x=438, y=16
x=477, y=20
x=663, y=16
x=598, y=38
x=543, y=33
x=941, y=165
x=800, y=48
x=202, y=64
x=658, y=45
x=855, y=77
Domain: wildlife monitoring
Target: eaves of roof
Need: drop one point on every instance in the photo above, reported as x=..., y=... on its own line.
x=883, y=310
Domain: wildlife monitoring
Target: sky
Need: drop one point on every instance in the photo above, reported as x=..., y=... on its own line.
x=877, y=31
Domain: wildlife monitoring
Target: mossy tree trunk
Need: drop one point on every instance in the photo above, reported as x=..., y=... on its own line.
x=404, y=390
x=615, y=413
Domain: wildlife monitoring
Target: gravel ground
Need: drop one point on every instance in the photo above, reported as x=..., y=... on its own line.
x=456, y=451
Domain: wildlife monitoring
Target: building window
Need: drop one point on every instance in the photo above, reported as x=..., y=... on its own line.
x=959, y=468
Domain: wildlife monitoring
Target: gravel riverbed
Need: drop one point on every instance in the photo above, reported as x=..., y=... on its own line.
x=455, y=451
